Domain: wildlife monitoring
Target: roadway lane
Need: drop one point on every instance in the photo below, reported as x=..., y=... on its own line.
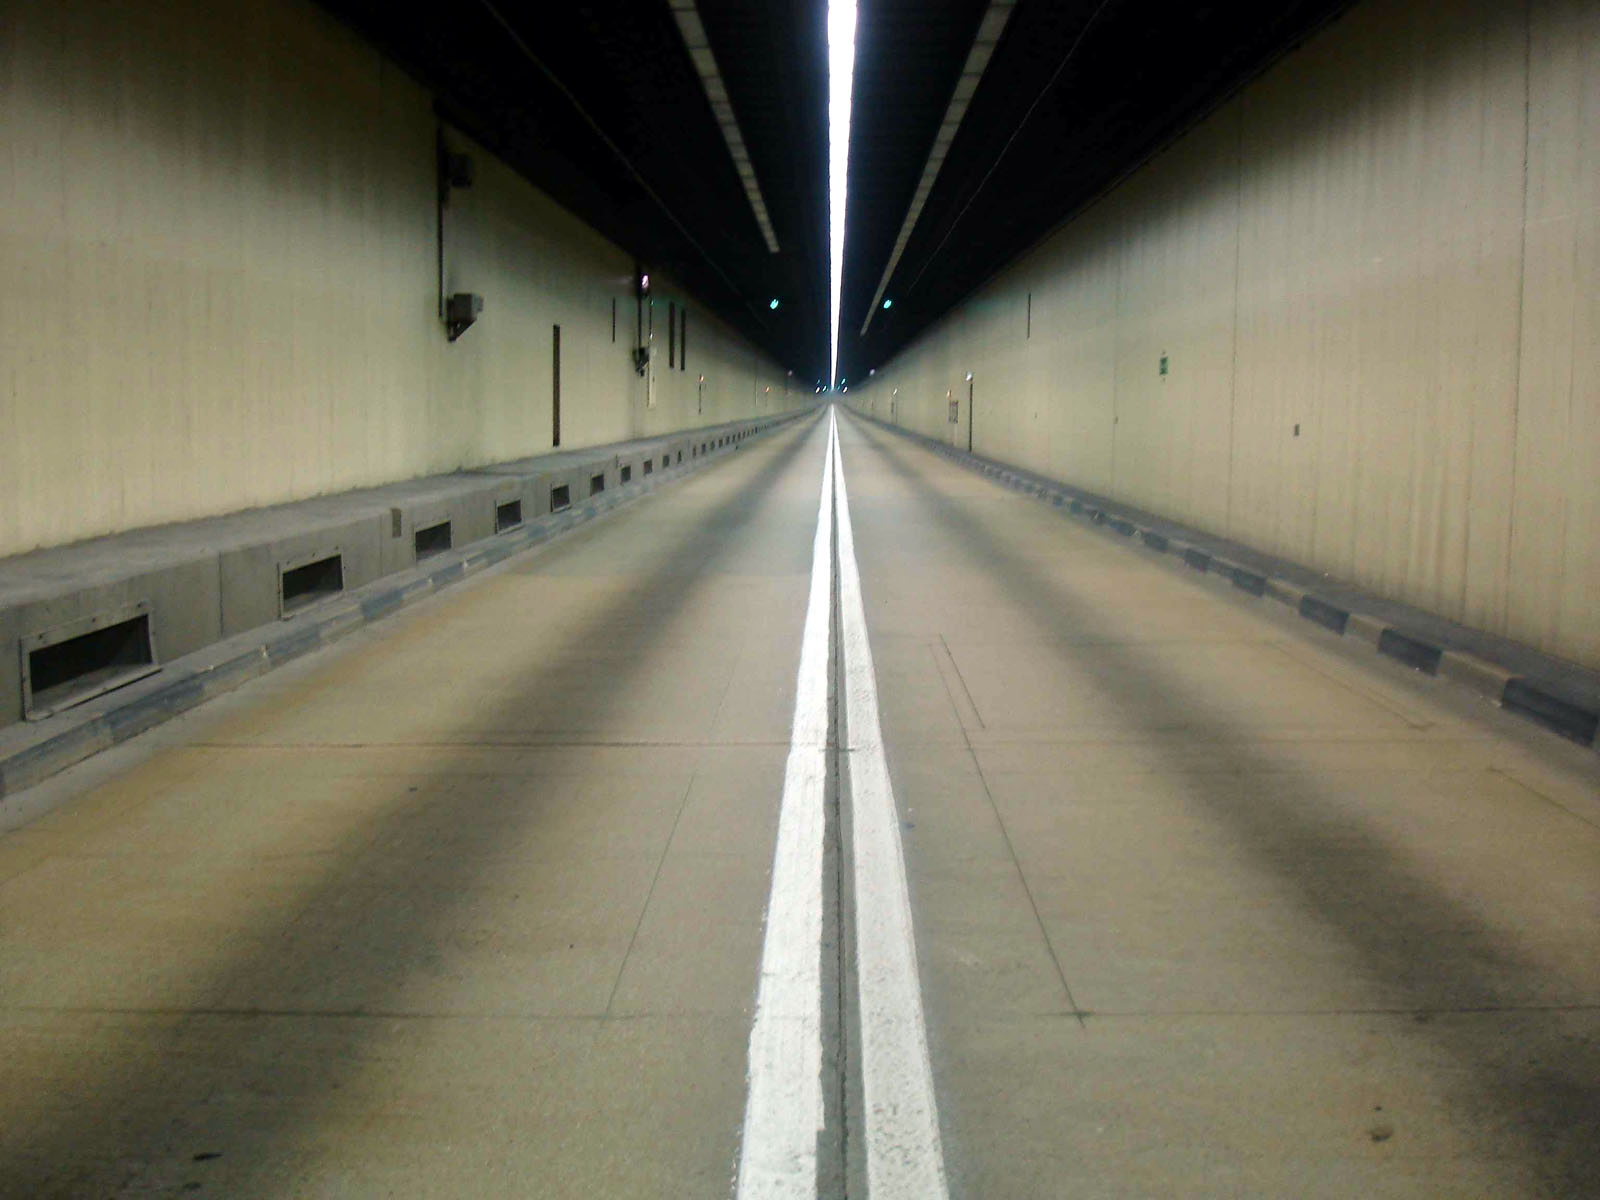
x=470, y=906
x=1205, y=905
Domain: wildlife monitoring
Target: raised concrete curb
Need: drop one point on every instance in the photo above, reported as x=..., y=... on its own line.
x=32, y=753
x=1547, y=703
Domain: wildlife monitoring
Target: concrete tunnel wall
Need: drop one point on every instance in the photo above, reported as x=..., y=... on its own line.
x=217, y=232
x=1390, y=242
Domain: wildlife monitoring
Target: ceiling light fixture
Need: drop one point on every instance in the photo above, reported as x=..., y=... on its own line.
x=841, y=74
x=990, y=27
x=693, y=29
x=644, y=184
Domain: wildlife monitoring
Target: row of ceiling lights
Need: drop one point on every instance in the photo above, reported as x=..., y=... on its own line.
x=841, y=70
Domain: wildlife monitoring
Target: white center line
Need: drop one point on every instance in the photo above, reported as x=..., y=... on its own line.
x=784, y=1107
x=784, y=1110
x=905, y=1160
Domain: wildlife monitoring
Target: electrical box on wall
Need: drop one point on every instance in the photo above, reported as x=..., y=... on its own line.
x=455, y=170
x=460, y=311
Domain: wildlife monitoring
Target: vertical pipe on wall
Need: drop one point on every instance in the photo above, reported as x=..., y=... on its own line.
x=555, y=386
x=440, y=196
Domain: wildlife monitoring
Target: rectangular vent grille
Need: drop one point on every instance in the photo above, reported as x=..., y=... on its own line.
x=300, y=587
x=434, y=539
x=76, y=662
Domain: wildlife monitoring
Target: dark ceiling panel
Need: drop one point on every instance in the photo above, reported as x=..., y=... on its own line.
x=1077, y=94
x=598, y=103
x=909, y=55
x=774, y=62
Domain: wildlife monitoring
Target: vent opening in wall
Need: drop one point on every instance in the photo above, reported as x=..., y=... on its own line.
x=302, y=586
x=649, y=466
x=597, y=484
x=560, y=497
x=79, y=661
x=507, y=515
x=627, y=472
x=431, y=540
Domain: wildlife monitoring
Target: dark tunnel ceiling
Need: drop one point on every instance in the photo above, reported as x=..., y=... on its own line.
x=535, y=81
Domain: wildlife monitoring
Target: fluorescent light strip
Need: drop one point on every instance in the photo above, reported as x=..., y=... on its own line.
x=990, y=28
x=705, y=63
x=841, y=76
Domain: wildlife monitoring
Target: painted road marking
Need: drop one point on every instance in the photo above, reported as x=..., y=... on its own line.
x=905, y=1160
x=783, y=1107
x=784, y=1110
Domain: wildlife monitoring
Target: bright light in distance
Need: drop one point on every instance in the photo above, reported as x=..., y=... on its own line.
x=888, y=303
x=841, y=73
x=773, y=303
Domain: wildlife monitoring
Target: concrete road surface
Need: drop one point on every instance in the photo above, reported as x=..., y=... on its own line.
x=1201, y=901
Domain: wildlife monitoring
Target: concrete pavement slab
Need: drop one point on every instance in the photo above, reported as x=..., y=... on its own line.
x=359, y=929
x=1291, y=896
x=1330, y=1105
